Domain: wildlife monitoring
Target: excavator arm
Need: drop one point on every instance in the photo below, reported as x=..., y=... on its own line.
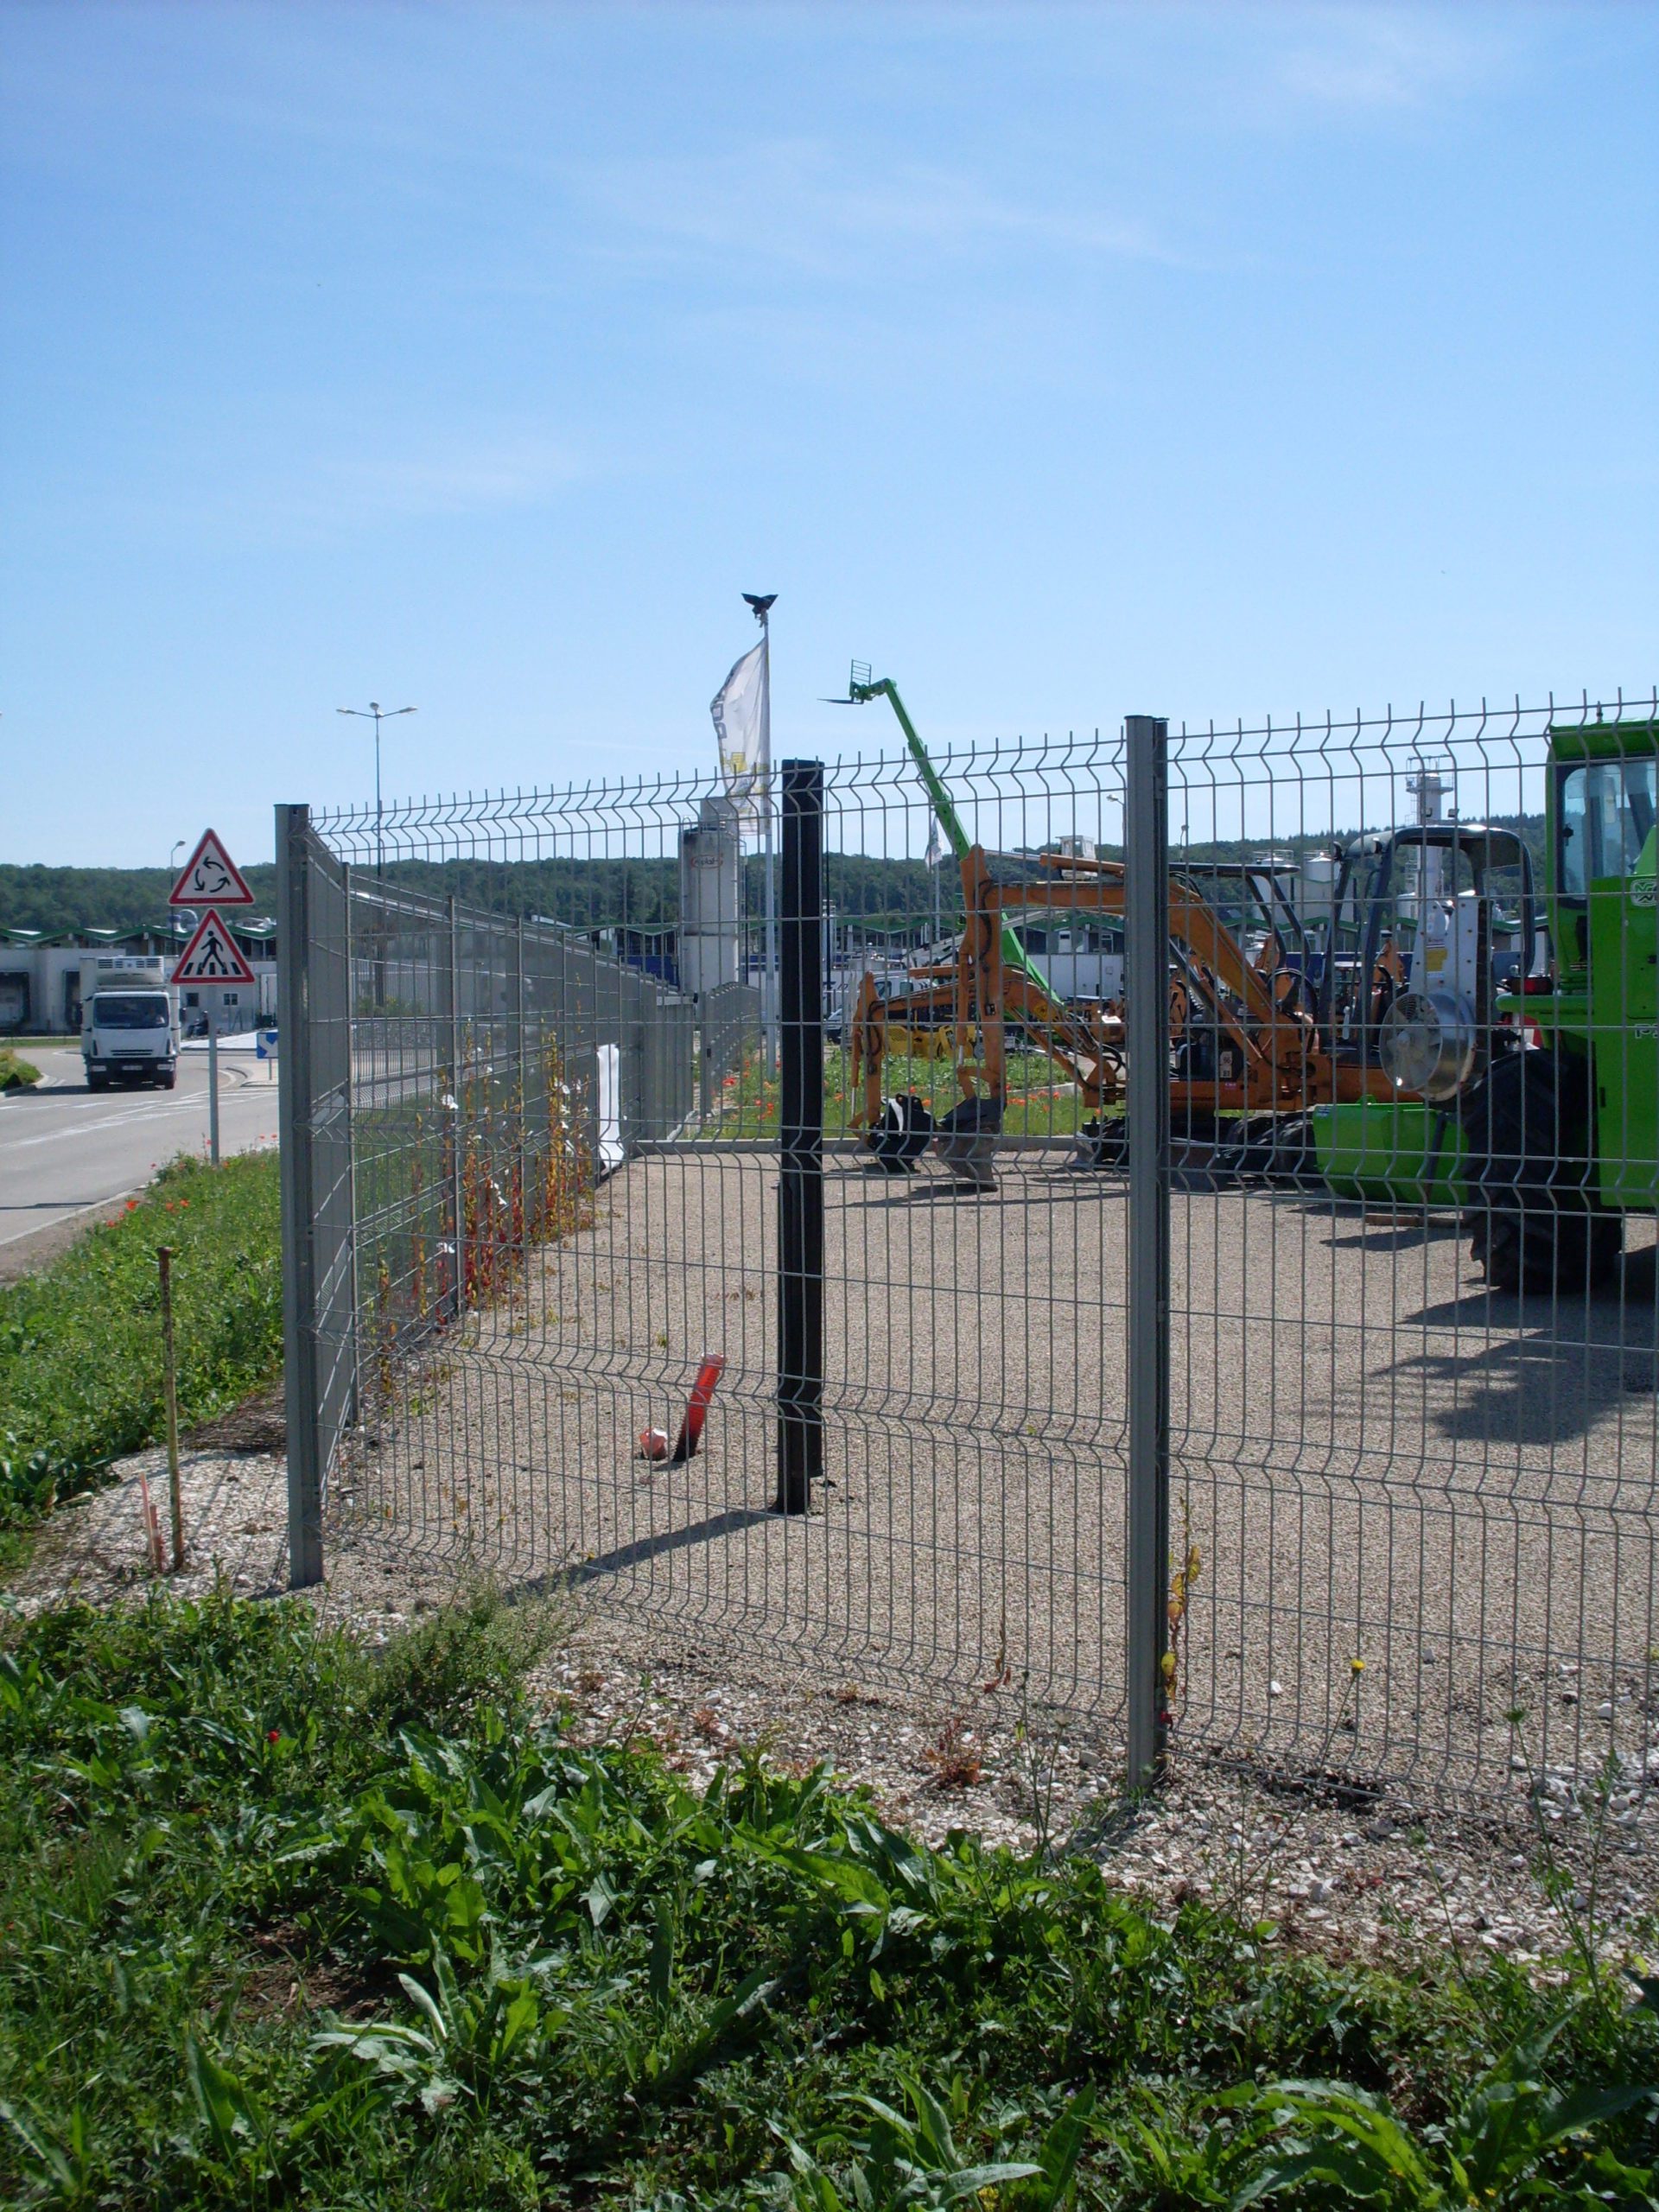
x=994, y=982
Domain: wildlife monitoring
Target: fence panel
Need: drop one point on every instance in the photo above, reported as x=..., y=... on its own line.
x=970, y=1519
x=1417, y=1501
x=1410, y=1462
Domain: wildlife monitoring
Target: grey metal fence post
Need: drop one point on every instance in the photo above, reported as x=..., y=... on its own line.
x=800, y=1137
x=300, y=1381
x=345, y=878
x=1145, y=846
x=456, y=1094
x=523, y=1055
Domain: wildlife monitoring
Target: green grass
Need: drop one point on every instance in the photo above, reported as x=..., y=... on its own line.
x=81, y=1343
x=1040, y=1103
x=282, y=1924
x=15, y=1072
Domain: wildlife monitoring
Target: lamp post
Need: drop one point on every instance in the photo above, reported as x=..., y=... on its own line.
x=173, y=876
x=377, y=714
x=761, y=605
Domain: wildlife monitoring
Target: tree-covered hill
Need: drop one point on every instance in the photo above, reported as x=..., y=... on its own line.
x=583, y=894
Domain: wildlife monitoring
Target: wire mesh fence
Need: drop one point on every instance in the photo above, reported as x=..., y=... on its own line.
x=1398, y=1118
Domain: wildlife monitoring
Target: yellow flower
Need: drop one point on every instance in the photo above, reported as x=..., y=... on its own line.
x=1357, y=1666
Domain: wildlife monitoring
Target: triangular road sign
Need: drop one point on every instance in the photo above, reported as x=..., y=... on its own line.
x=211, y=878
x=212, y=955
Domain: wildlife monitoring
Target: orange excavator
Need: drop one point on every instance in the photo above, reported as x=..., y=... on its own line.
x=1242, y=1043
x=1244, y=1036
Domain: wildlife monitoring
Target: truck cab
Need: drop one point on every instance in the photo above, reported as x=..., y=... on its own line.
x=130, y=1025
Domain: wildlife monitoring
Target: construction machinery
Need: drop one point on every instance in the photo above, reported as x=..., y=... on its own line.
x=1259, y=1037
x=990, y=982
x=1439, y=1036
x=1536, y=1110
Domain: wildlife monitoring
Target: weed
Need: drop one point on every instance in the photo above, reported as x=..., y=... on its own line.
x=1578, y=1898
x=1181, y=1585
x=1040, y=1746
x=955, y=1757
x=514, y=1971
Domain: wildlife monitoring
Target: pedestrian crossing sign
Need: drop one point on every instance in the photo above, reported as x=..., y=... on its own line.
x=212, y=955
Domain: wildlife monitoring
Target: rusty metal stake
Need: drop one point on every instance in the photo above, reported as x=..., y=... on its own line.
x=170, y=1384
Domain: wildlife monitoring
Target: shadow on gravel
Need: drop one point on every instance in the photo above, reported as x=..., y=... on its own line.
x=1559, y=1366
x=730, y=1524
x=1053, y=1190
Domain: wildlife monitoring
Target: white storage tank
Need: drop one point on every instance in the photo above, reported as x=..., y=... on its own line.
x=710, y=936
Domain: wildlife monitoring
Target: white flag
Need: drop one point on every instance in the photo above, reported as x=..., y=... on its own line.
x=742, y=712
x=935, y=852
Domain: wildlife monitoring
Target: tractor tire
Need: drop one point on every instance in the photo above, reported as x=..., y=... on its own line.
x=1534, y=1223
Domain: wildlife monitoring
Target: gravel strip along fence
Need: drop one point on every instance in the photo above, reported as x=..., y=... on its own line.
x=1338, y=1865
x=1450, y=1489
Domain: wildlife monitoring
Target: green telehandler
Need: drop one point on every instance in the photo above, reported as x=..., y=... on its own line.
x=1536, y=1102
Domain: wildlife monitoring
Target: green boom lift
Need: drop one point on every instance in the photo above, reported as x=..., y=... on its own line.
x=1538, y=1107
x=859, y=691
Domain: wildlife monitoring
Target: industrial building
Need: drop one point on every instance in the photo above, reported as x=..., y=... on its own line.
x=40, y=975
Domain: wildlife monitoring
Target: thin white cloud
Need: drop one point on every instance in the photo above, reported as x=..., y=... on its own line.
x=444, y=478
x=795, y=202
x=1392, y=57
x=311, y=486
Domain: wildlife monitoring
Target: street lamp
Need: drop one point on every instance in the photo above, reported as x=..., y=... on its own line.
x=173, y=876
x=761, y=605
x=377, y=714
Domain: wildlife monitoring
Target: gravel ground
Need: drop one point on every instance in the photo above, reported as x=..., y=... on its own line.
x=1373, y=1460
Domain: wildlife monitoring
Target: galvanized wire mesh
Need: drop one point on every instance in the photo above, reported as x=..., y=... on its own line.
x=1421, y=1499
x=1411, y=1507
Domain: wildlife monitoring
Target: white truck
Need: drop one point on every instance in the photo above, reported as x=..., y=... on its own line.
x=129, y=1020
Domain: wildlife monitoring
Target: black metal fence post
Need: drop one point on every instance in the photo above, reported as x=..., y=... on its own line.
x=800, y=1135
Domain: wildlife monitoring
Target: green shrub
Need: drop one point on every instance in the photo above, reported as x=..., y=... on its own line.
x=81, y=1343
x=15, y=1072
x=268, y=1937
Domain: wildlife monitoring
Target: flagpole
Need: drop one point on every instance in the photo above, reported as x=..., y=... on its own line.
x=769, y=994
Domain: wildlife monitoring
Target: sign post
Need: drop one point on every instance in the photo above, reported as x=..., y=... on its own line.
x=210, y=879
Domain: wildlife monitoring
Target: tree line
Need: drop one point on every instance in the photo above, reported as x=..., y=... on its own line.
x=600, y=893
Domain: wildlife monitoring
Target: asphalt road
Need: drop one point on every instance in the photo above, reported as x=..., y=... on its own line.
x=67, y=1152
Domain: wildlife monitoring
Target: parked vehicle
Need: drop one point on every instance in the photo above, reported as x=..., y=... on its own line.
x=1532, y=1099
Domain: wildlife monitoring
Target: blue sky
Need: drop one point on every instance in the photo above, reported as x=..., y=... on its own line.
x=1062, y=361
